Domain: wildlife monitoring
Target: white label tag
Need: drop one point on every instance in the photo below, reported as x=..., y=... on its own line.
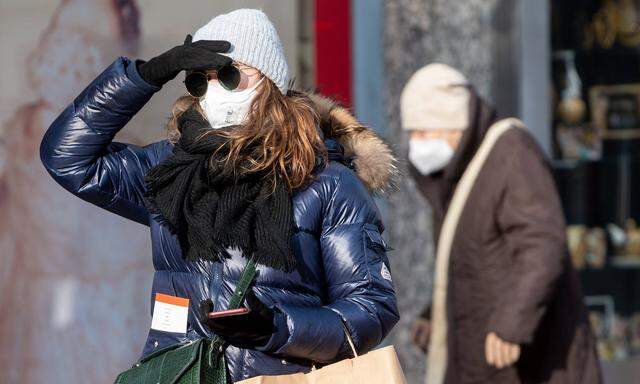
x=170, y=313
x=384, y=271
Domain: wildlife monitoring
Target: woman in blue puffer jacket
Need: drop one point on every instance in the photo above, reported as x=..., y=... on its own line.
x=251, y=169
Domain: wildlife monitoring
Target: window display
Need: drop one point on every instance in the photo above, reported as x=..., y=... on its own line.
x=596, y=130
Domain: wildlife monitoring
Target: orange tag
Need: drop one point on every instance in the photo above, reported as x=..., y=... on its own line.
x=170, y=313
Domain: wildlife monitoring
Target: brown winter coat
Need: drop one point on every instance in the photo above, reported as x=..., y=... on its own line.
x=509, y=271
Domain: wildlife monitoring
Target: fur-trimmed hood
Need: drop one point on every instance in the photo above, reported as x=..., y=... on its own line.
x=373, y=159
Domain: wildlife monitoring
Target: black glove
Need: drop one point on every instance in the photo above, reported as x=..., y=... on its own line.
x=251, y=330
x=201, y=55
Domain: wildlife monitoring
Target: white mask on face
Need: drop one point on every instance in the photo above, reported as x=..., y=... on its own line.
x=224, y=108
x=429, y=156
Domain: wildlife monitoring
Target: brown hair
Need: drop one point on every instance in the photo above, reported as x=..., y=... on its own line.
x=280, y=137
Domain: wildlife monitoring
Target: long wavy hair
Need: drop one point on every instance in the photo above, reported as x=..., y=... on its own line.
x=279, y=139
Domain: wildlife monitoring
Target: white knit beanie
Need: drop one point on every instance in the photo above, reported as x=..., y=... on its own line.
x=436, y=97
x=254, y=42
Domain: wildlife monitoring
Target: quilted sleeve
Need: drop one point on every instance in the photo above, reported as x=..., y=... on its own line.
x=78, y=152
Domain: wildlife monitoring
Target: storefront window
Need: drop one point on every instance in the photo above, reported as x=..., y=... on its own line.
x=596, y=129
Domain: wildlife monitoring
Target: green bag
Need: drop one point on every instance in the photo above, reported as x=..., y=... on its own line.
x=196, y=362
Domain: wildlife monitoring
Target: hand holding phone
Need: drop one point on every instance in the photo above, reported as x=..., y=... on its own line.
x=228, y=312
x=247, y=327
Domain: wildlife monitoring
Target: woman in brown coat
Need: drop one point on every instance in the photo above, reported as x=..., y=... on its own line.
x=512, y=302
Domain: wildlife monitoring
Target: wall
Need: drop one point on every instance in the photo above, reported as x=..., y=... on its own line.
x=75, y=280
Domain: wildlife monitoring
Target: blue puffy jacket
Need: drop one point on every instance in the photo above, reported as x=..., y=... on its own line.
x=344, y=275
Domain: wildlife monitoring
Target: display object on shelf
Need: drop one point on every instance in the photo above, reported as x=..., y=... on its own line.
x=622, y=341
x=578, y=142
x=625, y=242
x=615, y=110
x=615, y=21
x=618, y=336
x=587, y=246
x=571, y=107
x=575, y=137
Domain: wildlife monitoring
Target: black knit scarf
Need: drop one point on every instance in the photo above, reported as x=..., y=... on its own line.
x=211, y=210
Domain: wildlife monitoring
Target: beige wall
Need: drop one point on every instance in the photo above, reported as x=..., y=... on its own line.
x=21, y=23
x=75, y=280
x=163, y=24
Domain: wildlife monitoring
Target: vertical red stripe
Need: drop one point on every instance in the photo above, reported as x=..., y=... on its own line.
x=333, y=48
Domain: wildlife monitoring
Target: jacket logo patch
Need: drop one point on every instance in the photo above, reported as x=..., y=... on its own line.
x=384, y=271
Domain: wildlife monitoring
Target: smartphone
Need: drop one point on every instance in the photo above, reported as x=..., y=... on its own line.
x=228, y=312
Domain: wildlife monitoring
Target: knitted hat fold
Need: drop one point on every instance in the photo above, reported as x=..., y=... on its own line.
x=435, y=97
x=254, y=42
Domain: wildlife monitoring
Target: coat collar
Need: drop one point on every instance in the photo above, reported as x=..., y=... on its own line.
x=481, y=117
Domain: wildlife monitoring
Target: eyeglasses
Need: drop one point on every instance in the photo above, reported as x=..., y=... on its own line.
x=197, y=82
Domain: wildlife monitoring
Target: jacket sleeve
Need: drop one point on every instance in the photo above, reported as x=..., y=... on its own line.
x=531, y=219
x=78, y=151
x=360, y=290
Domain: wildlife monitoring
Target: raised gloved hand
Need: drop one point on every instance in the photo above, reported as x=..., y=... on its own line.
x=201, y=55
x=250, y=330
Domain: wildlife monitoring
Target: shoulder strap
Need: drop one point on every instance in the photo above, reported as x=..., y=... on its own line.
x=437, y=358
x=244, y=283
x=217, y=345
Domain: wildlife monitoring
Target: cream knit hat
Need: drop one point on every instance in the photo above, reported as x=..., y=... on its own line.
x=436, y=97
x=254, y=42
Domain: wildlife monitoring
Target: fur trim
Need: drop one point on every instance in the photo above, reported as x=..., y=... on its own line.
x=373, y=159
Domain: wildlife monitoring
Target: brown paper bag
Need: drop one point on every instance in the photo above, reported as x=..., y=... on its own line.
x=376, y=367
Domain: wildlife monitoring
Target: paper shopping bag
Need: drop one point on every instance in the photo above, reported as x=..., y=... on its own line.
x=376, y=367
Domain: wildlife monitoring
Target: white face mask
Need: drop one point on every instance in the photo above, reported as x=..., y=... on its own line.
x=224, y=108
x=429, y=156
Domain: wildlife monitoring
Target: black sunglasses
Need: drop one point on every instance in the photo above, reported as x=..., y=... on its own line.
x=197, y=82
